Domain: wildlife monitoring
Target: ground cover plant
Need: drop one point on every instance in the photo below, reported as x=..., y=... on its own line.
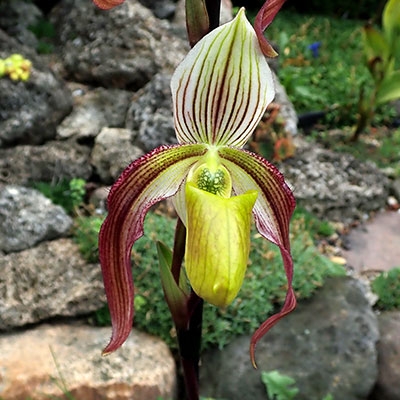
x=68, y=194
x=387, y=286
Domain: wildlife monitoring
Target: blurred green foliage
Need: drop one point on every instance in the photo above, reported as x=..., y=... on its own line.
x=68, y=194
x=339, y=8
x=86, y=234
x=45, y=32
x=327, y=79
x=282, y=387
x=262, y=293
x=279, y=386
x=387, y=287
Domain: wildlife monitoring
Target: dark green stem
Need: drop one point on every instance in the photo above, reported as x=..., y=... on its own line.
x=189, y=341
x=189, y=338
x=214, y=10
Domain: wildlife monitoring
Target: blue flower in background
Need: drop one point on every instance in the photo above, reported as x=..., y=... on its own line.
x=314, y=47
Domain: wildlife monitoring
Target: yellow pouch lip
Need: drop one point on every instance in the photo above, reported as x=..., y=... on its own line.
x=217, y=243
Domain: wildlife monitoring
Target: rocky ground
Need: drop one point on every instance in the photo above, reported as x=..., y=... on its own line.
x=101, y=100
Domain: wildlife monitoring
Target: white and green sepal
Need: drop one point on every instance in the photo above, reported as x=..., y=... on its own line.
x=223, y=86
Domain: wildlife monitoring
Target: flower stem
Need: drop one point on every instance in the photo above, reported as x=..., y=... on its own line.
x=189, y=341
x=189, y=338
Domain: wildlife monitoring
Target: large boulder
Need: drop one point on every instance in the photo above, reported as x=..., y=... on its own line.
x=16, y=17
x=388, y=384
x=161, y=8
x=113, y=151
x=333, y=185
x=50, y=162
x=36, y=364
x=31, y=110
x=46, y=281
x=94, y=110
x=27, y=218
x=150, y=115
x=328, y=345
x=123, y=47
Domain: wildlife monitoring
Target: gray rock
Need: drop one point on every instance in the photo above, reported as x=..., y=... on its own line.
x=49, y=280
x=113, y=152
x=161, y=8
x=93, y=110
x=49, y=162
x=143, y=369
x=27, y=218
x=31, y=110
x=286, y=110
x=327, y=345
x=387, y=386
x=334, y=186
x=16, y=16
x=98, y=199
x=395, y=188
x=123, y=47
x=150, y=114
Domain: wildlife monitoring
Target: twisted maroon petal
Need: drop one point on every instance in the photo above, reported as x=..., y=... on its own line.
x=263, y=19
x=146, y=181
x=272, y=212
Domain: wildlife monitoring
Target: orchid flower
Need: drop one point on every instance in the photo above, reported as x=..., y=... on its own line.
x=220, y=92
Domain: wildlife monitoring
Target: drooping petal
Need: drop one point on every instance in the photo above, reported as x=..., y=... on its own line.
x=223, y=86
x=272, y=211
x=263, y=19
x=217, y=243
x=107, y=4
x=146, y=181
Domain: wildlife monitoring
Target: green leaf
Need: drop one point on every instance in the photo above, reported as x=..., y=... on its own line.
x=391, y=20
x=278, y=385
x=375, y=45
x=390, y=89
x=175, y=296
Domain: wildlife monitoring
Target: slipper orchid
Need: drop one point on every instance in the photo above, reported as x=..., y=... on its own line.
x=220, y=92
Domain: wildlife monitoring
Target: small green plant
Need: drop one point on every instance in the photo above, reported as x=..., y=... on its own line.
x=387, y=287
x=381, y=50
x=260, y=294
x=68, y=194
x=60, y=381
x=316, y=227
x=45, y=32
x=86, y=234
x=281, y=387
